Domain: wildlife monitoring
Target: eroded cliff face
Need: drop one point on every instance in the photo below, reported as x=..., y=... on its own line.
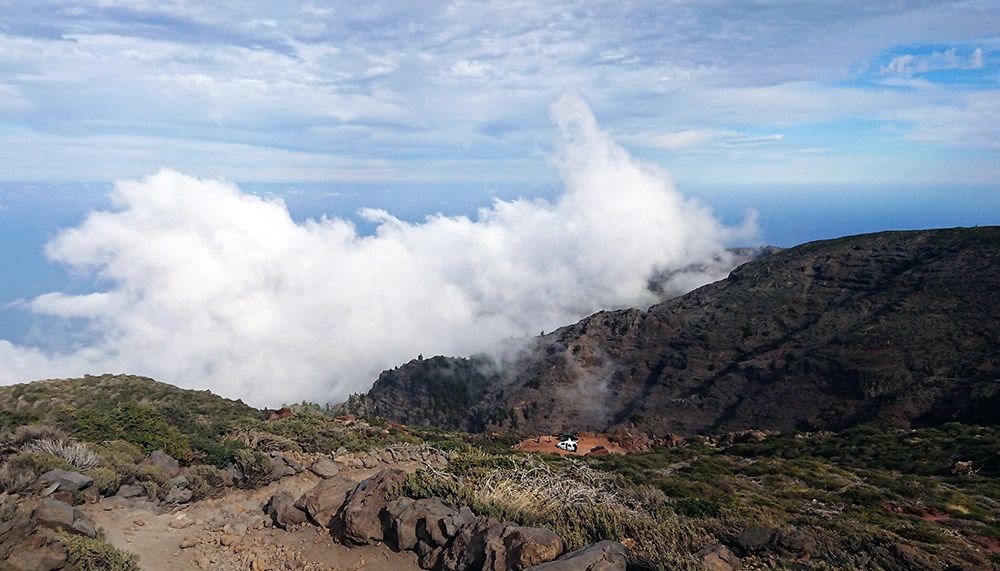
x=896, y=328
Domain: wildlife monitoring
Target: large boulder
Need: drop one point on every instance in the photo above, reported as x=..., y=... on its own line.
x=754, y=539
x=60, y=515
x=467, y=550
x=324, y=499
x=282, y=511
x=601, y=556
x=325, y=468
x=64, y=480
x=164, y=461
x=529, y=546
x=364, y=515
x=420, y=520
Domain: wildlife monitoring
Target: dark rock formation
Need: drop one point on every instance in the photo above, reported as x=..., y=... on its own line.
x=282, y=511
x=897, y=328
x=363, y=517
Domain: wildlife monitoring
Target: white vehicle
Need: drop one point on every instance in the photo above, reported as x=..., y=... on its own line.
x=568, y=442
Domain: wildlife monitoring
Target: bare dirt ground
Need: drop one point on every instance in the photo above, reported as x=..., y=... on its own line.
x=588, y=441
x=229, y=533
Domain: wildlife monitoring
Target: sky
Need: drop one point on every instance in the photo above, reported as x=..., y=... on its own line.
x=276, y=201
x=717, y=92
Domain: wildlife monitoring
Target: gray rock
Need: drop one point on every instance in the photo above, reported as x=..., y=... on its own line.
x=419, y=520
x=180, y=482
x=68, y=481
x=178, y=496
x=53, y=513
x=279, y=469
x=164, y=461
x=601, y=556
x=281, y=509
x=83, y=524
x=130, y=491
x=325, y=468
x=324, y=499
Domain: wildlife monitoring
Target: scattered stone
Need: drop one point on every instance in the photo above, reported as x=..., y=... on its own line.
x=717, y=557
x=754, y=539
x=130, y=491
x=280, y=469
x=325, y=468
x=162, y=460
x=67, y=481
x=178, y=496
x=188, y=542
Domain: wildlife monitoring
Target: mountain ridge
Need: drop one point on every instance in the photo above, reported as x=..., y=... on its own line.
x=895, y=328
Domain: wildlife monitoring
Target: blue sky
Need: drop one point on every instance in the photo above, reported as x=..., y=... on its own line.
x=717, y=92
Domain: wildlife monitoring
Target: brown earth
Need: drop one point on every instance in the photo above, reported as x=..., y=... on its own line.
x=228, y=533
x=588, y=441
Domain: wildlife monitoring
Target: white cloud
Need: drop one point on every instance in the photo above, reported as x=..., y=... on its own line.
x=210, y=287
x=908, y=65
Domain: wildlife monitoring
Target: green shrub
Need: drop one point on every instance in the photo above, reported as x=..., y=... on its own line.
x=119, y=453
x=256, y=468
x=204, y=481
x=106, y=480
x=139, y=424
x=154, y=480
x=86, y=554
x=39, y=462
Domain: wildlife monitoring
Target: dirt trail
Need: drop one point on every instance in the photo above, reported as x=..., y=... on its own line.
x=229, y=533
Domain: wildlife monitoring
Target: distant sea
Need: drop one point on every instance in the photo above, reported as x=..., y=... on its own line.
x=32, y=213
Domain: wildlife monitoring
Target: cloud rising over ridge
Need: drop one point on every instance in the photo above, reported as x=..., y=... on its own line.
x=210, y=287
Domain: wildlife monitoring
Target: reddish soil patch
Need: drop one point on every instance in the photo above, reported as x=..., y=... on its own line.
x=990, y=543
x=588, y=442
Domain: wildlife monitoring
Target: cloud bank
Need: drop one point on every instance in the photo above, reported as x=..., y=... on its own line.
x=205, y=286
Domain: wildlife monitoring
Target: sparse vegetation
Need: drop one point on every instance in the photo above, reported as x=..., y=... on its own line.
x=86, y=554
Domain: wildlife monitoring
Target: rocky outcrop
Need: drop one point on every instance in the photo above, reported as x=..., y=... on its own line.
x=900, y=329
x=452, y=538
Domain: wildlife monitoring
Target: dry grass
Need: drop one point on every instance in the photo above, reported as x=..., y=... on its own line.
x=583, y=505
x=78, y=454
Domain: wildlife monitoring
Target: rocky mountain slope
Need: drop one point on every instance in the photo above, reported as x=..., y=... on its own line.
x=897, y=328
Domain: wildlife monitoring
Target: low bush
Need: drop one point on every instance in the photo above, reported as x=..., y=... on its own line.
x=205, y=481
x=87, y=554
x=106, y=480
